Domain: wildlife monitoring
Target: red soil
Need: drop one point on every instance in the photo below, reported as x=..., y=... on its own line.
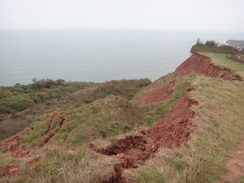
x=49, y=136
x=20, y=153
x=171, y=131
x=175, y=127
x=51, y=116
x=72, y=151
x=12, y=143
x=160, y=94
x=8, y=170
x=202, y=65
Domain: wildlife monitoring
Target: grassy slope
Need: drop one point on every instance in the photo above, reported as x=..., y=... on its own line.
x=100, y=119
x=224, y=62
x=66, y=95
x=103, y=118
x=218, y=124
x=22, y=104
x=218, y=121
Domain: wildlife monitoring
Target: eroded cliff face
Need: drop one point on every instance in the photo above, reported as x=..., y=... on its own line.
x=201, y=64
x=171, y=131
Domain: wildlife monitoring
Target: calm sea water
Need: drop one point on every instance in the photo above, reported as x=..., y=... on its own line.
x=95, y=55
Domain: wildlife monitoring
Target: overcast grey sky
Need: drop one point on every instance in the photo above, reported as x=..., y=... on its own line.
x=207, y=15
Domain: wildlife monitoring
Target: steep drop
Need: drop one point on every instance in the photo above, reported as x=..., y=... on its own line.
x=201, y=64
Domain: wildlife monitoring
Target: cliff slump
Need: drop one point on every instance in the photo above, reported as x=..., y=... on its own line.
x=171, y=131
x=175, y=127
x=160, y=94
x=201, y=64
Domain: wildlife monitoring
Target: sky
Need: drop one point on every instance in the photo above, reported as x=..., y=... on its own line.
x=204, y=15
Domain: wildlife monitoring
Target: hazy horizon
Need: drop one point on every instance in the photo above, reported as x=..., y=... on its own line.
x=190, y=15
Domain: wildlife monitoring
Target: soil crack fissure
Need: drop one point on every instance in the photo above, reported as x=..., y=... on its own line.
x=171, y=131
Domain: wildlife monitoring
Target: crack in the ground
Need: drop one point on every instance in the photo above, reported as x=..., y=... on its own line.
x=171, y=131
x=46, y=140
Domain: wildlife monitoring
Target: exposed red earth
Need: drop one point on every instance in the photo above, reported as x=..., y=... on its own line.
x=51, y=129
x=12, y=143
x=175, y=127
x=8, y=170
x=157, y=95
x=202, y=65
x=171, y=131
x=20, y=153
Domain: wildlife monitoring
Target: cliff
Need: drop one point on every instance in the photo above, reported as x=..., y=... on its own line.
x=182, y=124
x=201, y=64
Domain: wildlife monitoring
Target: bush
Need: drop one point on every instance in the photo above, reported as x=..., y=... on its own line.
x=18, y=103
x=212, y=46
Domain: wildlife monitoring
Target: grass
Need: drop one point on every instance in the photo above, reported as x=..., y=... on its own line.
x=22, y=104
x=59, y=97
x=150, y=174
x=101, y=119
x=159, y=109
x=56, y=165
x=218, y=121
x=222, y=60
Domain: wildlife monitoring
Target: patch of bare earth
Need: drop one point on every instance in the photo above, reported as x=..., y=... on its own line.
x=157, y=95
x=235, y=165
x=171, y=131
x=202, y=65
x=8, y=170
x=51, y=131
x=175, y=127
x=12, y=143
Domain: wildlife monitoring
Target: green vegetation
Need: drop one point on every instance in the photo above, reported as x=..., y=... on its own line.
x=150, y=174
x=213, y=47
x=103, y=118
x=94, y=115
x=218, y=124
x=21, y=97
x=21, y=104
x=56, y=165
x=224, y=61
x=36, y=100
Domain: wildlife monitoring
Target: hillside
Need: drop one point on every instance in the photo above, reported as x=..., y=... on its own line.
x=179, y=128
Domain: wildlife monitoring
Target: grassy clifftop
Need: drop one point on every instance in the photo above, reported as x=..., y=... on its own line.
x=179, y=128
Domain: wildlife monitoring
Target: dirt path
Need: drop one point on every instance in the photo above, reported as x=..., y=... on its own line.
x=235, y=165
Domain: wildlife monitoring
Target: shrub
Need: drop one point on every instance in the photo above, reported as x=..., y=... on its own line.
x=212, y=46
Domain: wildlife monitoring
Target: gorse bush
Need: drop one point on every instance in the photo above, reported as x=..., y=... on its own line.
x=28, y=103
x=125, y=88
x=21, y=97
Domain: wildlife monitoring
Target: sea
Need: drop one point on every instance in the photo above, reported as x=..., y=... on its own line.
x=96, y=55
